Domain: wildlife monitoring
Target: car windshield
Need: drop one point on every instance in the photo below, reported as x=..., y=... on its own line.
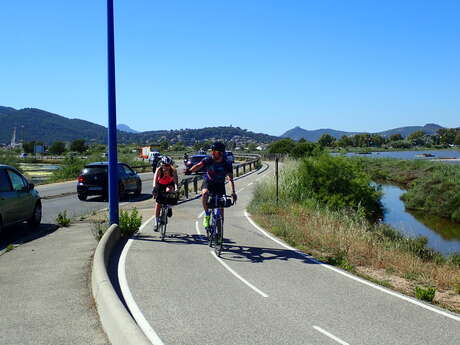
x=95, y=170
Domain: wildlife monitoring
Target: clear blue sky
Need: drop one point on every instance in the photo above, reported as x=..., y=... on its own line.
x=263, y=65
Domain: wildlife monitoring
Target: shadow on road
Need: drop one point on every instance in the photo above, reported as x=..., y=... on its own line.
x=258, y=254
x=22, y=233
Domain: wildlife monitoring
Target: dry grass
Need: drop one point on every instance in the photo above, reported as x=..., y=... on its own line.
x=354, y=245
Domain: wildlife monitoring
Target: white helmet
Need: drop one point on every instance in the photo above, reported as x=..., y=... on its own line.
x=166, y=160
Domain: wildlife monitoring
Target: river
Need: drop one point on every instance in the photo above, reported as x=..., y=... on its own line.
x=443, y=235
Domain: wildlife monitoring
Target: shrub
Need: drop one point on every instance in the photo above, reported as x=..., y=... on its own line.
x=130, y=223
x=62, y=219
x=425, y=294
x=335, y=182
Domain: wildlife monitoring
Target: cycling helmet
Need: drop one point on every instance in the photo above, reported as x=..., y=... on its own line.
x=166, y=160
x=218, y=146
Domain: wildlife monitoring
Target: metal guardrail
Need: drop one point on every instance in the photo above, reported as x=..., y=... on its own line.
x=252, y=163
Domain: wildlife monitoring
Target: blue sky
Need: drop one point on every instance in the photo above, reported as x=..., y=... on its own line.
x=263, y=65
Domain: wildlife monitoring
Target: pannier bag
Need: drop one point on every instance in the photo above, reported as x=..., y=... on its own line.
x=167, y=198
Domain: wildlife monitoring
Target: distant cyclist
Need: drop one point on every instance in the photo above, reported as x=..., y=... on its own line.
x=164, y=180
x=217, y=169
x=156, y=157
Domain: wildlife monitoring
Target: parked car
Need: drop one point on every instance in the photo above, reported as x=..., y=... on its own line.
x=94, y=180
x=19, y=201
x=23, y=155
x=192, y=160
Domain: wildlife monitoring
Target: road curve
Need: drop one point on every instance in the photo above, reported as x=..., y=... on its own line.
x=260, y=292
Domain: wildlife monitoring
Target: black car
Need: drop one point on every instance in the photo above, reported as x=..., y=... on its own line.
x=195, y=159
x=93, y=180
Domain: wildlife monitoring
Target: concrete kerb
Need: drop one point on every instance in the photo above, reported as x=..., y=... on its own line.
x=117, y=323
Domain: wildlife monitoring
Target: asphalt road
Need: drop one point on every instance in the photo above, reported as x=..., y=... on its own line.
x=260, y=291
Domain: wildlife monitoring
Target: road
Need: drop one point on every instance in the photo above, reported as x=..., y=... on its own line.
x=260, y=291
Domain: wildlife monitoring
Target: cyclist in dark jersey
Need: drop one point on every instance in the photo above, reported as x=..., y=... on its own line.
x=217, y=169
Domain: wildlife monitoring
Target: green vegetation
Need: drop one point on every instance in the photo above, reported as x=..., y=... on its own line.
x=299, y=149
x=425, y=294
x=433, y=188
x=130, y=222
x=9, y=248
x=62, y=219
x=333, y=182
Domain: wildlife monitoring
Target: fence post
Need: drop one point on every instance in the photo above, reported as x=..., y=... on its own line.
x=195, y=185
x=276, y=178
x=244, y=168
x=186, y=188
x=237, y=171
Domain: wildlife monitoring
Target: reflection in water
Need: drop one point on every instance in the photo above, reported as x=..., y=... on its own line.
x=442, y=235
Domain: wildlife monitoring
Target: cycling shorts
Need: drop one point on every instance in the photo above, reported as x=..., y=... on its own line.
x=214, y=188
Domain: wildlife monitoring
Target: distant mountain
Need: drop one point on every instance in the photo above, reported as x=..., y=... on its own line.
x=125, y=128
x=313, y=135
x=429, y=128
x=38, y=125
x=298, y=133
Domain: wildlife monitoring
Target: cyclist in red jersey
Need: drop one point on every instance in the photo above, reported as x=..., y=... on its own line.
x=164, y=180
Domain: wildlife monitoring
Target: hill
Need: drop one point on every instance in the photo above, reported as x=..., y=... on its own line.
x=38, y=125
x=313, y=135
x=125, y=128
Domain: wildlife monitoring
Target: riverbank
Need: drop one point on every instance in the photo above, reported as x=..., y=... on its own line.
x=344, y=239
x=432, y=187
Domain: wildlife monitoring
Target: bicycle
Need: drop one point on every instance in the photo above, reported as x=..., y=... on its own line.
x=215, y=232
x=165, y=199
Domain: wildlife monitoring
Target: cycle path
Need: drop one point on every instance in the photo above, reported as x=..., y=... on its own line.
x=260, y=292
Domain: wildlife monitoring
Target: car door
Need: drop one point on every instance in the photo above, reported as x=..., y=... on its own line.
x=7, y=195
x=24, y=201
x=130, y=176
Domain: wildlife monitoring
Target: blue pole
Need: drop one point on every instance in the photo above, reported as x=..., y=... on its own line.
x=112, y=130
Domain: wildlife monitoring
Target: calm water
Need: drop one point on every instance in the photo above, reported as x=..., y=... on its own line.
x=442, y=235
x=438, y=154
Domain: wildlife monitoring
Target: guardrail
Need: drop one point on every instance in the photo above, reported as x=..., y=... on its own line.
x=253, y=162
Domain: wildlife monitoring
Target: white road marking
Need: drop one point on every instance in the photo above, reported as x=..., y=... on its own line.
x=340, y=341
x=197, y=228
x=263, y=294
x=360, y=280
x=130, y=302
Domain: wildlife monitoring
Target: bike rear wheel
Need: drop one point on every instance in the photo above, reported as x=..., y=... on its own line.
x=219, y=236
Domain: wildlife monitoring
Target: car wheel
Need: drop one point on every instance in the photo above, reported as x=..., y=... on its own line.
x=138, y=189
x=36, y=218
x=82, y=196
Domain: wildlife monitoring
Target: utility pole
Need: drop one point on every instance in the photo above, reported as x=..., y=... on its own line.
x=112, y=129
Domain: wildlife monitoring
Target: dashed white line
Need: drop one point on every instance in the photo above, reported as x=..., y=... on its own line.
x=263, y=294
x=326, y=333
x=130, y=302
x=362, y=281
x=197, y=228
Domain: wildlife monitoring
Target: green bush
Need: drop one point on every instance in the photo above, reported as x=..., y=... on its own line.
x=62, y=219
x=70, y=168
x=425, y=294
x=130, y=223
x=335, y=182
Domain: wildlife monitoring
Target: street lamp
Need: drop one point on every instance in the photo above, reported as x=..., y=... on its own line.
x=112, y=129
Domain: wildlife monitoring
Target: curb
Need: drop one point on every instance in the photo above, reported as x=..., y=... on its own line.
x=117, y=323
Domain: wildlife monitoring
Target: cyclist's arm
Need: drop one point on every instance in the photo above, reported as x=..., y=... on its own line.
x=197, y=167
x=176, y=179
